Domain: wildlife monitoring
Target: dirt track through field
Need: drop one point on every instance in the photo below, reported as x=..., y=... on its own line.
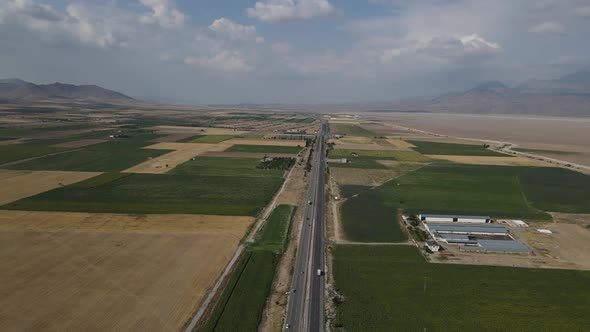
x=15, y=185
x=95, y=272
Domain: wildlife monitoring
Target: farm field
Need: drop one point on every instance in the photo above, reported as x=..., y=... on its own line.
x=462, y=189
x=97, y=272
x=439, y=148
x=178, y=154
x=244, y=298
x=385, y=286
x=15, y=185
x=156, y=193
x=380, y=154
x=13, y=152
x=211, y=139
x=358, y=163
x=264, y=148
x=223, y=166
x=104, y=157
x=350, y=130
x=488, y=160
x=368, y=218
x=362, y=176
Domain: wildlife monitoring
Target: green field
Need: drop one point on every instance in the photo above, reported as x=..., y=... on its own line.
x=556, y=189
x=158, y=193
x=14, y=152
x=104, y=157
x=368, y=218
x=358, y=162
x=221, y=166
x=438, y=148
x=211, y=139
x=264, y=148
x=273, y=235
x=380, y=154
x=350, y=130
x=392, y=286
x=244, y=297
x=304, y=120
x=455, y=189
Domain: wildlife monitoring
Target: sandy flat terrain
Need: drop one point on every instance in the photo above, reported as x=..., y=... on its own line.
x=182, y=153
x=83, y=272
x=15, y=185
x=80, y=143
x=361, y=176
x=195, y=130
x=242, y=141
x=563, y=134
x=483, y=160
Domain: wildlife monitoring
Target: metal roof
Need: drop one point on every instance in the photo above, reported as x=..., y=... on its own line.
x=467, y=228
x=453, y=236
x=453, y=216
x=499, y=246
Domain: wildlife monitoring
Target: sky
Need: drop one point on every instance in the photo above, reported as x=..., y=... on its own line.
x=291, y=51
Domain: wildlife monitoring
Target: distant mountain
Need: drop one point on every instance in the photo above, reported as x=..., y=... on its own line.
x=16, y=90
x=566, y=96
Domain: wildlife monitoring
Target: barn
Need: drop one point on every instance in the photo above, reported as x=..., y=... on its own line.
x=448, y=218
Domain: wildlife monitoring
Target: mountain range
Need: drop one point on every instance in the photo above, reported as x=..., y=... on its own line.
x=565, y=96
x=19, y=91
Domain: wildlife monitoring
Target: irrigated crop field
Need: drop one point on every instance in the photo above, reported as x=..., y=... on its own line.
x=264, y=148
x=87, y=272
x=158, y=193
x=387, y=287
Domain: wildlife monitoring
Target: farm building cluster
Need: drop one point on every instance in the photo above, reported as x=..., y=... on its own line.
x=471, y=234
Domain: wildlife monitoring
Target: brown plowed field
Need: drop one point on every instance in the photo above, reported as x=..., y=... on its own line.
x=96, y=272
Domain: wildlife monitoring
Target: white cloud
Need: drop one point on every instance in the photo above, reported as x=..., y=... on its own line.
x=234, y=31
x=582, y=12
x=284, y=10
x=164, y=13
x=226, y=61
x=282, y=48
x=550, y=27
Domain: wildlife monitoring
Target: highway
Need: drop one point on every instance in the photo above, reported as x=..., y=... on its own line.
x=305, y=310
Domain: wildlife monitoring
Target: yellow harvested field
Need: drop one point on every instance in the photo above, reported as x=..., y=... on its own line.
x=182, y=152
x=264, y=142
x=84, y=272
x=195, y=130
x=15, y=185
x=484, y=160
x=79, y=143
x=355, y=140
x=400, y=144
x=344, y=121
x=361, y=176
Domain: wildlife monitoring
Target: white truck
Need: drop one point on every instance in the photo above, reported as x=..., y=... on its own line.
x=319, y=272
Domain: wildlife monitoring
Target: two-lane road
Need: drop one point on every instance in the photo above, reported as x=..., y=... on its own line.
x=306, y=302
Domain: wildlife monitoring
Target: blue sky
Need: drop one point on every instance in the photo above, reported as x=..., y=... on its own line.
x=291, y=51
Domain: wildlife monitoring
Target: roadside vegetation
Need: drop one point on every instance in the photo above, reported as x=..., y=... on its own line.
x=244, y=297
x=385, y=286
